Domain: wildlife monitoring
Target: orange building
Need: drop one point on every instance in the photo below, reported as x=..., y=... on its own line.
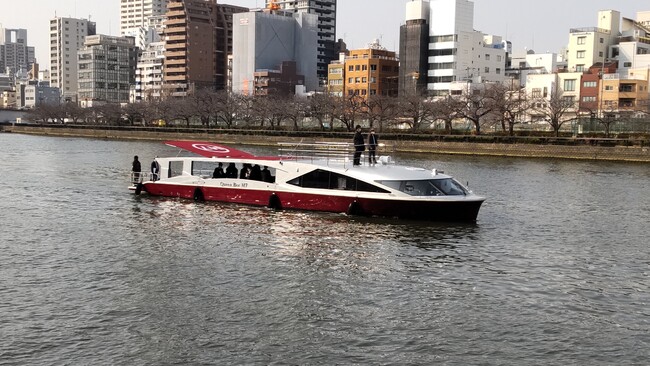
x=623, y=95
x=367, y=72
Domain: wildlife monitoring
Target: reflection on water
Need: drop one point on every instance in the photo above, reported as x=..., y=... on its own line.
x=554, y=272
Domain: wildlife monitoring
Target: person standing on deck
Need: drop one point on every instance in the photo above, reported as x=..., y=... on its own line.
x=359, y=145
x=155, y=170
x=136, y=170
x=373, y=141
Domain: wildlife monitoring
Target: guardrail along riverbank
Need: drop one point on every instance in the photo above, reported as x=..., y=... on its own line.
x=605, y=149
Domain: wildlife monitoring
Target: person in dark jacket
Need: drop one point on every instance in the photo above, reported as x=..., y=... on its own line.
x=359, y=145
x=231, y=171
x=136, y=170
x=218, y=172
x=373, y=141
x=155, y=170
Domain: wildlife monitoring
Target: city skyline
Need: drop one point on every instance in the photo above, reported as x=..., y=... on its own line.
x=505, y=18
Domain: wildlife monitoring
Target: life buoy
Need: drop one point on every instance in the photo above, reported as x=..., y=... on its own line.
x=138, y=189
x=198, y=195
x=354, y=209
x=274, y=202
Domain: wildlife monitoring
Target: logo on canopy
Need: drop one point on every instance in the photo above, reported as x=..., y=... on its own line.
x=211, y=148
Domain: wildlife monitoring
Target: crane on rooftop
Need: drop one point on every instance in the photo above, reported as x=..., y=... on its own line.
x=273, y=5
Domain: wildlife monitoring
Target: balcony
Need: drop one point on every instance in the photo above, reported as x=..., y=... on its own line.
x=176, y=38
x=588, y=30
x=177, y=22
x=175, y=46
x=175, y=13
x=175, y=54
x=181, y=61
x=169, y=78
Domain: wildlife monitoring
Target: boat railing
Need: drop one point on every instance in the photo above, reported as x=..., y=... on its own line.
x=329, y=151
x=137, y=178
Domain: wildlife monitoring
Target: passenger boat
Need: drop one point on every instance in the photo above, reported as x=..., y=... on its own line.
x=316, y=177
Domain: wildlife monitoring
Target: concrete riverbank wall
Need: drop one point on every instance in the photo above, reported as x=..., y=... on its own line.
x=639, y=152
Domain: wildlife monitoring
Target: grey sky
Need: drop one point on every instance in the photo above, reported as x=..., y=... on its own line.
x=542, y=26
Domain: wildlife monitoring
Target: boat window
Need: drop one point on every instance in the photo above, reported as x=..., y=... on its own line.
x=323, y=179
x=175, y=168
x=210, y=169
x=203, y=168
x=429, y=187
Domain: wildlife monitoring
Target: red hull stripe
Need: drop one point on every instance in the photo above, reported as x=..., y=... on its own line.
x=418, y=210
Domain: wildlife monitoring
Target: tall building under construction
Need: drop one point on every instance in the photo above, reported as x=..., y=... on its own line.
x=326, y=12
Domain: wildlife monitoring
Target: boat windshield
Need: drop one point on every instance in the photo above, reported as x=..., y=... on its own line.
x=428, y=187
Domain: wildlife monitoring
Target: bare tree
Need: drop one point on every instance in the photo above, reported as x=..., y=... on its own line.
x=380, y=109
x=203, y=103
x=446, y=110
x=554, y=109
x=74, y=112
x=509, y=106
x=182, y=109
x=348, y=110
x=322, y=107
x=475, y=105
x=229, y=106
x=43, y=113
x=133, y=112
x=295, y=110
x=109, y=114
x=416, y=109
x=271, y=109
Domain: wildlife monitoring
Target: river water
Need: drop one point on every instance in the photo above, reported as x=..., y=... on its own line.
x=556, y=271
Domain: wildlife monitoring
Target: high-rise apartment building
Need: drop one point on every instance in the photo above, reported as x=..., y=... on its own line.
x=106, y=69
x=15, y=54
x=413, y=49
x=149, y=73
x=198, y=38
x=66, y=38
x=456, y=52
x=326, y=12
x=134, y=19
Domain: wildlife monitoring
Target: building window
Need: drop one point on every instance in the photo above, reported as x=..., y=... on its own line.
x=627, y=64
x=537, y=93
x=487, y=57
x=364, y=68
x=357, y=67
x=373, y=67
x=602, y=40
x=487, y=70
x=580, y=68
x=350, y=80
x=588, y=99
x=582, y=40
x=568, y=99
x=498, y=71
x=609, y=87
x=570, y=85
x=350, y=68
x=580, y=54
x=499, y=58
x=600, y=54
x=589, y=84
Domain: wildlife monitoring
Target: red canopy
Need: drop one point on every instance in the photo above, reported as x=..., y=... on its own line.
x=209, y=149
